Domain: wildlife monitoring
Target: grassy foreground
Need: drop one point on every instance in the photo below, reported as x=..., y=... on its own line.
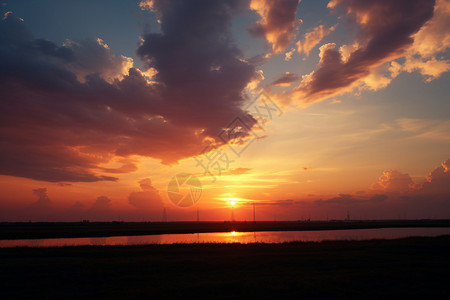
x=411, y=267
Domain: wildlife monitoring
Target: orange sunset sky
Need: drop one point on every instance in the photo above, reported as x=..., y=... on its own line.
x=307, y=109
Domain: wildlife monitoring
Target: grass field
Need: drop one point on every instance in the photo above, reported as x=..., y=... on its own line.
x=403, y=268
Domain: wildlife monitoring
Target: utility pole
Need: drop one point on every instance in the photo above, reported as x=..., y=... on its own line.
x=164, y=216
x=254, y=215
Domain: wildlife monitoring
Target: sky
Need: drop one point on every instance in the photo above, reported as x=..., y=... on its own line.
x=153, y=110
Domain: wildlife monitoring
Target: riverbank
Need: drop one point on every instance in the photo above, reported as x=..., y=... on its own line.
x=30, y=230
x=411, y=267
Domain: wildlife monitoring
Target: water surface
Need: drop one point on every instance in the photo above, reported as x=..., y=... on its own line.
x=233, y=237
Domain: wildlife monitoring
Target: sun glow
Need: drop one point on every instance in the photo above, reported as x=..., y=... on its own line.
x=234, y=201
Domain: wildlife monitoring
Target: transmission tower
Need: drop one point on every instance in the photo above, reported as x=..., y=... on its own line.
x=164, y=216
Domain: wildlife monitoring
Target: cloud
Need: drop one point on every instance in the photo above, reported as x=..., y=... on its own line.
x=126, y=167
x=425, y=128
x=288, y=55
x=95, y=57
x=259, y=59
x=43, y=202
x=396, y=185
x=101, y=204
x=278, y=22
x=395, y=195
x=393, y=181
x=345, y=199
x=312, y=38
x=386, y=30
x=438, y=181
x=68, y=110
x=237, y=171
x=286, y=202
x=203, y=72
x=77, y=207
x=146, y=199
x=379, y=197
x=5, y=15
x=432, y=39
x=285, y=80
x=335, y=101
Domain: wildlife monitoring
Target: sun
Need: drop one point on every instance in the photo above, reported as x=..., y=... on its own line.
x=233, y=201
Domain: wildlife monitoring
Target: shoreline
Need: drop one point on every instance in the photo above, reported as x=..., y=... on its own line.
x=38, y=230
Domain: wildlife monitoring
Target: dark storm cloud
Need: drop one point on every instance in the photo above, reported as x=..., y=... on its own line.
x=68, y=110
x=198, y=63
x=385, y=31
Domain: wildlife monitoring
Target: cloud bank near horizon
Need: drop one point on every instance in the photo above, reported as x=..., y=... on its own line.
x=394, y=195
